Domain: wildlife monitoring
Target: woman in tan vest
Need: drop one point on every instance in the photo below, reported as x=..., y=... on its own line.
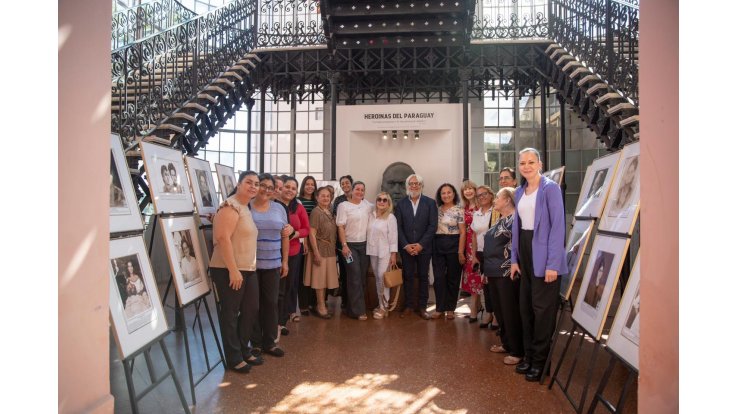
x=232, y=269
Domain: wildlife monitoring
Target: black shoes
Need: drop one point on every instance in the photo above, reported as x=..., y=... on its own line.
x=424, y=315
x=523, y=367
x=534, y=374
x=242, y=370
x=275, y=351
x=254, y=360
x=284, y=331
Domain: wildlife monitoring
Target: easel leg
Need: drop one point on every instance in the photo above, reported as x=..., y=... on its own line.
x=198, y=321
x=562, y=357
x=185, y=332
x=588, y=377
x=176, y=380
x=627, y=385
x=602, y=385
x=548, y=362
x=127, y=367
x=214, y=332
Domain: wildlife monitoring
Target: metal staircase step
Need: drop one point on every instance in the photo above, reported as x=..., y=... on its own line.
x=609, y=96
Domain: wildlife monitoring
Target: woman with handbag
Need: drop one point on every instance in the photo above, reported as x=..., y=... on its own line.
x=448, y=253
x=383, y=244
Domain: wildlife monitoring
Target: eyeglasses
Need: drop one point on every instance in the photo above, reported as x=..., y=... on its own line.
x=507, y=178
x=267, y=188
x=414, y=184
x=382, y=200
x=483, y=194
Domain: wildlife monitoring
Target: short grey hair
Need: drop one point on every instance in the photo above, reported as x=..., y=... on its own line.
x=418, y=177
x=530, y=149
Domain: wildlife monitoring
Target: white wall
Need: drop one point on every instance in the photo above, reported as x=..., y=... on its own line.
x=436, y=156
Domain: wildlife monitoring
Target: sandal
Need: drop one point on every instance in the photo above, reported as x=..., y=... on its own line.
x=499, y=349
x=295, y=317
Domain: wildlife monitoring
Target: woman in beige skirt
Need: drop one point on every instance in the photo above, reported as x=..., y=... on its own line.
x=321, y=271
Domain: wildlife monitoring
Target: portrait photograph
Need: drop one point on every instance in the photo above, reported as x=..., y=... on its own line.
x=167, y=179
x=135, y=307
x=188, y=267
x=556, y=175
x=622, y=206
x=596, y=186
x=203, y=187
x=124, y=212
x=226, y=177
x=624, y=336
x=577, y=242
x=599, y=283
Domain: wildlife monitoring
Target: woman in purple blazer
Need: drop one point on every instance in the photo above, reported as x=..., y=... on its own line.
x=538, y=256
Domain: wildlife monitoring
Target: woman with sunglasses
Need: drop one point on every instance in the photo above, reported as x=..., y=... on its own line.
x=352, y=227
x=483, y=219
x=448, y=253
x=383, y=244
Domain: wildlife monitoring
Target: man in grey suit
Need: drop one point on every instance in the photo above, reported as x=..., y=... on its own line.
x=416, y=216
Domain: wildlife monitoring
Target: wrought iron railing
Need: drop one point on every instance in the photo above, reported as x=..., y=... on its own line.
x=604, y=35
x=290, y=23
x=510, y=19
x=136, y=23
x=154, y=76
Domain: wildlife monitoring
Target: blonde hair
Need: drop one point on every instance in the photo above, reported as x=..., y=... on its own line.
x=464, y=186
x=389, y=209
x=507, y=192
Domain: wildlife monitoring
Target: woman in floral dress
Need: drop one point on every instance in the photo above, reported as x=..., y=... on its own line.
x=471, y=280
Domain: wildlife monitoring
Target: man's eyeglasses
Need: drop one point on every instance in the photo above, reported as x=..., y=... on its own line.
x=382, y=200
x=414, y=184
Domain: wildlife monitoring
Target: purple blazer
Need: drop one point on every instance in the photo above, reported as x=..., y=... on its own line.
x=548, y=243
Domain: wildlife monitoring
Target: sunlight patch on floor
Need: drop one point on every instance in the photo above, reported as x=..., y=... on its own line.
x=362, y=393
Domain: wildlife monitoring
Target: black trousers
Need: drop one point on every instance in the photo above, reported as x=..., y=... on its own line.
x=238, y=313
x=343, y=277
x=289, y=287
x=487, y=299
x=538, y=303
x=447, y=270
x=357, y=273
x=415, y=267
x=266, y=328
x=505, y=295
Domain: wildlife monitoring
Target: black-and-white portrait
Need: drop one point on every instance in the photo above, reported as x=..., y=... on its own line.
x=394, y=180
x=227, y=182
x=204, y=188
x=170, y=178
x=596, y=187
x=187, y=257
x=132, y=289
x=631, y=327
x=598, y=279
x=117, y=196
x=627, y=187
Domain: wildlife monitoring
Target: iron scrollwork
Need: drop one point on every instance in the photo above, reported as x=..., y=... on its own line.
x=511, y=19
x=290, y=23
x=146, y=19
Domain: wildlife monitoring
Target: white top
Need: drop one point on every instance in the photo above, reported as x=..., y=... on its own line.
x=415, y=205
x=526, y=207
x=480, y=226
x=383, y=236
x=355, y=219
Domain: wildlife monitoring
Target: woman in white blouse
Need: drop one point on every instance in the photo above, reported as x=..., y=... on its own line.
x=352, y=228
x=383, y=244
x=483, y=219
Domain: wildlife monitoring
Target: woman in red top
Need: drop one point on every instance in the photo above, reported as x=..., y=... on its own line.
x=289, y=286
x=471, y=280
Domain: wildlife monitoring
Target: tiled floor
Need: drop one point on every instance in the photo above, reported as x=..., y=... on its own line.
x=377, y=366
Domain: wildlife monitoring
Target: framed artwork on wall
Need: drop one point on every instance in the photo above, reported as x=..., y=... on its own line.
x=577, y=242
x=167, y=179
x=624, y=336
x=599, y=283
x=188, y=266
x=203, y=186
x=124, y=212
x=136, y=313
x=622, y=206
x=596, y=185
x=556, y=175
x=226, y=177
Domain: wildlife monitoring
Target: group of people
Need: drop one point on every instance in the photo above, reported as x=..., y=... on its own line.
x=273, y=248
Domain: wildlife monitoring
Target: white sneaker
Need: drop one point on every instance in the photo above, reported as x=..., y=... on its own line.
x=379, y=313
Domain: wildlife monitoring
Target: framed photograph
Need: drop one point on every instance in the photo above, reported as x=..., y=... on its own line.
x=188, y=265
x=622, y=206
x=124, y=212
x=556, y=175
x=203, y=187
x=624, y=336
x=226, y=177
x=577, y=242
x=599, y=283
x=135, y=307
x=167, y=179
x=595, y=187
